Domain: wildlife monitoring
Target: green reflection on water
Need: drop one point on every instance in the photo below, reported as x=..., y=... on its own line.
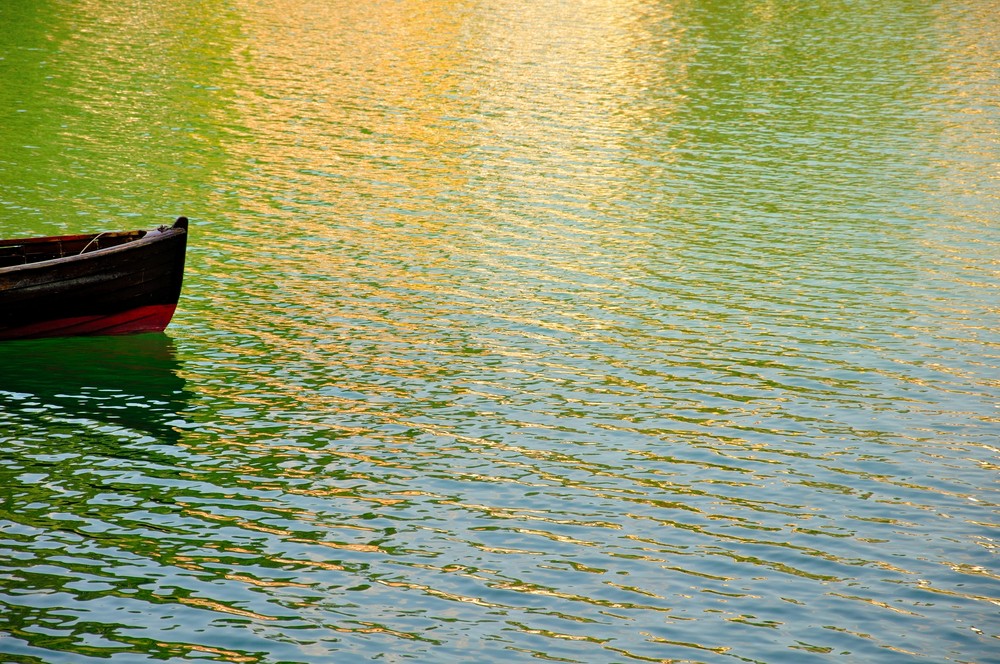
x=106, y=112
x=129, y=382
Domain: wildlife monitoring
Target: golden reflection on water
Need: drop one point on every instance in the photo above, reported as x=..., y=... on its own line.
x=351, y=109
x=316, y=110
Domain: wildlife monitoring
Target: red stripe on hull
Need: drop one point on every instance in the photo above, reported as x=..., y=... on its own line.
x=152, y=318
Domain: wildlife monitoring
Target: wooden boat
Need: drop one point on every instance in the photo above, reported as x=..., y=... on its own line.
x=103, y=283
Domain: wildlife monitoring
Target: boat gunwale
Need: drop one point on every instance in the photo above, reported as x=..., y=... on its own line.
x=151, y=237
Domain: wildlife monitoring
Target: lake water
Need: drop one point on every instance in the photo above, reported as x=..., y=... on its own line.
x=519, y=331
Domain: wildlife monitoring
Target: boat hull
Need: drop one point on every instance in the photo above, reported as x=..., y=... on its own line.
x=129, y=288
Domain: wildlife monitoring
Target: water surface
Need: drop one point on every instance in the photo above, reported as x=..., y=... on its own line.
x=521, y=331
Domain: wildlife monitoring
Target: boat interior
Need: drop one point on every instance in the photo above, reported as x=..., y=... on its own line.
x=35, y=250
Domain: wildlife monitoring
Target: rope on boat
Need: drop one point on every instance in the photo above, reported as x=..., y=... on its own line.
x=92, y=241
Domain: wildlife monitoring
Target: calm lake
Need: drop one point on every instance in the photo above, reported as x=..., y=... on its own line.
x=513, y=331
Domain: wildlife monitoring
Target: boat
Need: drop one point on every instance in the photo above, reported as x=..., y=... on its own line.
x=115, y=282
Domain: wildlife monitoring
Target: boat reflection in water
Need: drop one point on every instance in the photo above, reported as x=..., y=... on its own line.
x=90, y=387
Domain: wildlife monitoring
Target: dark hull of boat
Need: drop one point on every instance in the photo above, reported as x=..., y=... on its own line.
x=130, y=286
